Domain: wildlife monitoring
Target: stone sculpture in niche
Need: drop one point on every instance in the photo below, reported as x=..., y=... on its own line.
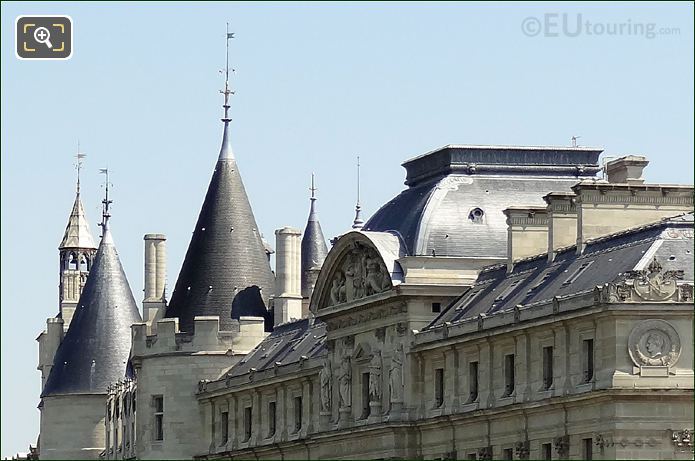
x=396, y=375
x=345, y=380
x=654, y=343
x=375, y=378
x=361, y=273
x=326, y=385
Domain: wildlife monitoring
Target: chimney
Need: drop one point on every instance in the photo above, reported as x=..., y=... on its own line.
x=288, y=297
x=626, y=170
x=605, y=208
x=562, y=221
x=155, y=277
x=49, y=340
x=527, y=233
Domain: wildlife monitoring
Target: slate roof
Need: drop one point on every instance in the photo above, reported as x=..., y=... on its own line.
x=604, y=260
x=446, y=186
x=314, y=249
x=226, y=272
x=77, y=233
x=96, y=347
x=286, y=344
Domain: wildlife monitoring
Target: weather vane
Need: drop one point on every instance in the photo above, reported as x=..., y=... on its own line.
x=106, y=202
x=78, y=165
x=226, y=90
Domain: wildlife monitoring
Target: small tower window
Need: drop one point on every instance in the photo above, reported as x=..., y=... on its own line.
x=72, y=262
x=83, y=263
x=476, y=216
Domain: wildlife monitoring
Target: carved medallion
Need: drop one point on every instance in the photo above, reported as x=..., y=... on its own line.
x=654, y=343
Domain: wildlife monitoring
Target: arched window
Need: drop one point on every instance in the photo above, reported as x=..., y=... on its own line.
x=72, y=262
x=476, y=216
x=84, y=263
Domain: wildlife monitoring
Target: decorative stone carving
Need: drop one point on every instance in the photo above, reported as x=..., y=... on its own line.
x=361, y=273
x=326, y=377
x=653, y=284
x=654, y=343
x=562, y=445
x=685, y=293
x=401, y=328
x=485, y=453
x=396, y=376
x=375, y=378
x=345, y=381
x=683, y=439
x=522, y=449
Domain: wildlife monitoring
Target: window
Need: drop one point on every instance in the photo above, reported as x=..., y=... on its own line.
x=365, y=394
x=587, y=449
x=298, y=413
x=133, y=406
x=508, y=453
x=438, y=387
x=158, y=403
x=508, y=375
x=576, y=274
x=546, y=451
x=547, y=367
x=271, y=419
x=115, y=437
x=247, y=423
x=588, y=359
x=436, y=307
x=224, y=420
x=476, y=215
x=472, y=456
x=473, y=381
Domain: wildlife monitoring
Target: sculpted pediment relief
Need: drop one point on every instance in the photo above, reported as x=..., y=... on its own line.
x=360, y=272
x=651, y=284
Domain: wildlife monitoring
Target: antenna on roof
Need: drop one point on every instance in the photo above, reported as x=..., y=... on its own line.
x=105, y=215
x=358, y=222
x=574, y=141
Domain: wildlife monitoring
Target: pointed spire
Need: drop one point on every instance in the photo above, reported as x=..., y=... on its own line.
x=358, y=222
x=77, y=233
x=96, y=347
x=226, y=152
x=314, y=249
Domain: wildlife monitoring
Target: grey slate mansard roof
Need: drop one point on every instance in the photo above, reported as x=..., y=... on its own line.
x=446, y=185
x=225, y=272
x=95, y=349
x=286, y=344
x=604, y=260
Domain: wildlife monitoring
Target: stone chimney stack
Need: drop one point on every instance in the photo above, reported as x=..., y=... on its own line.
x=626, y=170
x=155, y=276
x=562, y=221
x=527, y=233
x=288, y=298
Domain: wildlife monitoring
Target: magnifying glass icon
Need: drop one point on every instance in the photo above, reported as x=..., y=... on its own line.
x=42, y=35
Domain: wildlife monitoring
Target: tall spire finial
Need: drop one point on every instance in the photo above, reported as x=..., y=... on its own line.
x=312, y=188
x=78, y=166
x=105, y=215
x=227, y=92
x=358, y=222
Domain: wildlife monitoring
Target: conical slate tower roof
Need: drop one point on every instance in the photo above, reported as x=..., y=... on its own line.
x=96, y=347
x=314, y=248
x=77, y=234
x=225, y=272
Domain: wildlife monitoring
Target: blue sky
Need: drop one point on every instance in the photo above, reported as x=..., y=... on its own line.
x=317, y=84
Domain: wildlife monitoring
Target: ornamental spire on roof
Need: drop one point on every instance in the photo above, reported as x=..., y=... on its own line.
x=358, y=223
x=225, y=271
x=77, y=233
x=314, y=248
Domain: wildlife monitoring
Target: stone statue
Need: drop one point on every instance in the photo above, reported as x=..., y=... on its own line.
x=375, y=378
x=326, y=386
x=396, y=375
x=361, y=273
x=345, y=383
x=338, y=289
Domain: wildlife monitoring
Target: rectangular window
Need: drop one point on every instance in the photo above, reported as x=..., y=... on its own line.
x=547, y=367
x=587, y=448
x=115, y=437
x=508, y=375
x=247, y=423
x=365, y=395
x=158, y=404
x=546, y=452
x=271, y=419
x=224, y=420
x=298, y=413
x=588, y=359
x=472, y=456
x=473, y=381
x=436, y=307
x=508, y=453
x=438, y=387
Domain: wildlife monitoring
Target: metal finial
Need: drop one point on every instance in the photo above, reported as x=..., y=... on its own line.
x=226, y=90
x=357, y=223
x=312, y=188
x=105, y=215
x=78, y=166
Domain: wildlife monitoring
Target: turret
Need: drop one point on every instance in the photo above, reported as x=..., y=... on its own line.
x=314, y=252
